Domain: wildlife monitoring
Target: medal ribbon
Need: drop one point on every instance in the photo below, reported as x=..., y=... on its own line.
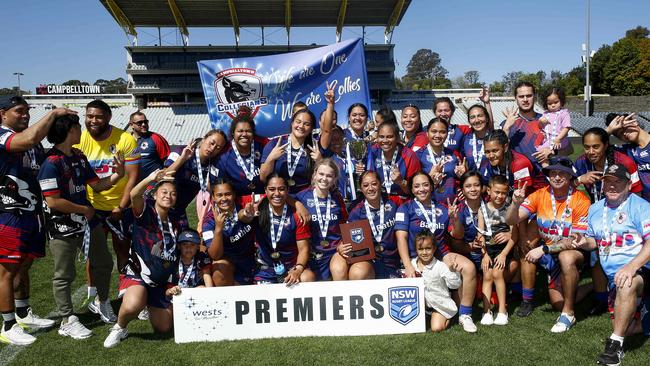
x=185, y=277
x=476, y=154
x=431, y=222
x=598, y=193
x=250, y=171
x=376, y=233
x=323, y=222
x=385, y=169
x=488, y=227
x=607, y=224
x=291, y=168
x=275, y=239
x=168, y=253
x=348, y=161
x=564, y=214
x=203, y=181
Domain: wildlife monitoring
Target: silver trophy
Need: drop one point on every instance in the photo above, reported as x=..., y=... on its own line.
x=358, y=150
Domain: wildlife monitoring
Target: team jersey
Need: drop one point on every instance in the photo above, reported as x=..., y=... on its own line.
x=66, y=176
x=100, y=156
x=519, y=172
x=554, y=226
x=350, y=135
x=419, y=141
x=411, y=219
x=190, y=276
x=153, y=255
x=19, y=188
x=407, y=163
x=344, y=165
x=469, y=222
x=292, y=232
x=475, y=159
x=525, y=136
x=302, y=174
x=641, y=156
x=338, y=215
x=455, y=136
x=238, y=239
x=628, y=230
x=153, y=150
x=386, y=248
x=447, y=189
x=186, y=178
x=229, y=168
x=595, y=191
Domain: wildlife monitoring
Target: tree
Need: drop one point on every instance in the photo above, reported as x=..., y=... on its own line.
x=637, y=33
x=424, y=65
x=509, y=81
x=459, y=82
x=12, y=91
x=472, y=79
x=75, y=82
x=497, y=87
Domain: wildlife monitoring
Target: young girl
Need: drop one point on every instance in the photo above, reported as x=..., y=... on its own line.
x=555, y=120
x=438, y=279
x=498, y=240
x=194, y=267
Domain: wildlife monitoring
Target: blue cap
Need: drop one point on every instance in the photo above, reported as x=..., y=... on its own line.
x=8, y=102
x=189, y=236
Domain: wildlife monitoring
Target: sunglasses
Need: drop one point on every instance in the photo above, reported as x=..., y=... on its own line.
x=140, y=123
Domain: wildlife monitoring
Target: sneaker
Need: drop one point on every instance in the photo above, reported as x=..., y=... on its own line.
x=467, y=323
x=525, y=309
x=33, y=321
x=144, y=314
x=501, y=319
x=106, y=311
x=16, y=336
x=487, y=318
x=74, y=329
x=115, y=336
x=92, y=303
x=613, y=353
x=563, y=323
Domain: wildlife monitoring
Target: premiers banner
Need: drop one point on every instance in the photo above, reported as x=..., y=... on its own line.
x=327, y=308
x=270, y=85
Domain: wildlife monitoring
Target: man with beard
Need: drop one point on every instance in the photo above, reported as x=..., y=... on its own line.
x=100, y=142
x=21, y=236
x=153, y=148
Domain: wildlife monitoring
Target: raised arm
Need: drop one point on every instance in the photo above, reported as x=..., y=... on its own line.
x=32, y=135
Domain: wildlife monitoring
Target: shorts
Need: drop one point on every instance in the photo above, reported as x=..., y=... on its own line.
x=476, y=257
x=495, y=250
x=385, y=270
x=121, y=228
x=244, y=269
x=551, y=265
x=645, y=275
x=319, y=263
x=155, y=295
x=22, y=236
x=266, y=275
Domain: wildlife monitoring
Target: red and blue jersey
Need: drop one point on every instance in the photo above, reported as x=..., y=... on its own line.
x=628, y=231
x=411, y=219
x=418, y=142
x=447, y=189
x=407, y=163
x=66, y=176
x=389, y=254
x=190, y=276
x=292, y=232
x=641, y=156
x=519, y=172
x=470, y=155
x=469, y=220
x=583, y=166
x=302, y=174
x=455, y=136
x=525, y=136
x=348, y=135
x=238, y=239
x=187, y=178
x=229, y=168
x=153, y=150
x=338, y=215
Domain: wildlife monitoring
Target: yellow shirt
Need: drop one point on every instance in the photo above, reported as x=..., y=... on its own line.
x=100, y=155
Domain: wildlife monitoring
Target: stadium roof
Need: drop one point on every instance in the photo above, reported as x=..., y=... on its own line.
x=131, y=14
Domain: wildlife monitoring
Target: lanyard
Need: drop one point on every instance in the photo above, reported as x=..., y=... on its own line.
x=376, y=233
x=598, y=193
x=250, y=170
x=565, y=214
x=168, y=254
x=291, y=168
x=354, y=135
x=184, y=278
x=488, y=227
x=450, y=132
x=432, y=155
x=348, y=161
x=276, y=238
x=607, y=224
x=323, y=222
x=476, y=154
x=385, y=169
x=431, y=222
x=203, y=181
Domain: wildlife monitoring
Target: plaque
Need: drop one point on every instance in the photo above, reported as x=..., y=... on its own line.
x=359, y=234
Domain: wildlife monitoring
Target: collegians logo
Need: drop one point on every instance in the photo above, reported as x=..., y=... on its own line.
x=404, y=303
x=237, y=87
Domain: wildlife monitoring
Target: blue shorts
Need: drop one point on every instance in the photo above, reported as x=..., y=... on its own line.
x=22, y=236
x=244, y=269
x=120, y=228
x=384, y=270
x=551, y=265
x=265, y=274
x=155, y=295
x=319, y=263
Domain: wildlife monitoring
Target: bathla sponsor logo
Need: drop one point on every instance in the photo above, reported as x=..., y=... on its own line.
x=404, y=303
x=238, y=87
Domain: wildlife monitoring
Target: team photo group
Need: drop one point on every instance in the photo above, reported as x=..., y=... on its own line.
x=476, y=210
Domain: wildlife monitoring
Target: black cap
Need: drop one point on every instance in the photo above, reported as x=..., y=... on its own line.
x=191, y=236
x=617, y=170
x=8, y=102
x=561, y=163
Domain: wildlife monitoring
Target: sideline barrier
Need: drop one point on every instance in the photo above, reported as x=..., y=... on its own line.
x=343, y=308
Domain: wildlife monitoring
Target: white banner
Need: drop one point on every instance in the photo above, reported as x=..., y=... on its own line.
x=327, y=308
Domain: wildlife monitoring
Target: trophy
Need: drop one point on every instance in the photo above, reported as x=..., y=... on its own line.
x=358, y=150
x=359, y=234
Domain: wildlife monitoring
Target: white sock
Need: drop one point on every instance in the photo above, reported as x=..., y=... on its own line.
x=92, y=291
x=21, y=303
x=615, y=337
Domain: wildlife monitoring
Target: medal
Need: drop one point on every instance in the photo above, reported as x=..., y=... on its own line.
x=379, y=248
x=323, y=222
x=324, y=243
x=275, y=255
x=291, y=182
x=385, y=169
x=203, y=181
x=291, y=168
x=441, y=189
x=166, y=264
x=275, y=237
x=376, y=233
x=251, y=186
x=249, y=171
x=620, y=218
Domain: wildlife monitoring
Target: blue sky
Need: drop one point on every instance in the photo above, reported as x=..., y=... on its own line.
x=52, y=41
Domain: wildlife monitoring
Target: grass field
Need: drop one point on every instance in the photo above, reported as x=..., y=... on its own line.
x=525, y=341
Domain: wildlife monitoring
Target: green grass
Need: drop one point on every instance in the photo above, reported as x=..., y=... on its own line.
x=525, y=341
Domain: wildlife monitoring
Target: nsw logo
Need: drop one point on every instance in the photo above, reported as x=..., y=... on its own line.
x=404, y=303
x=239, y=87
x=356, y=235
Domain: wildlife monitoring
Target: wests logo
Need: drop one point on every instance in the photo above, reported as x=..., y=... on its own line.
x=239, y=87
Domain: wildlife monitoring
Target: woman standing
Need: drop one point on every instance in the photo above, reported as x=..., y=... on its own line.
x=479, y=120
x=414, y=138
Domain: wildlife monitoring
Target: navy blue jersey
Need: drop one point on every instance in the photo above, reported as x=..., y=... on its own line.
x=292, y=232
x=229, y=168
x=410, y=218
x=407, y=163
x=187, y=178
x=338, y=215
x=302, y=174
x=455, y=136
x=153, y=150
x=447, y=190
x=189, y=276
x=387, y=252
x=238, y=239
x=470, y=155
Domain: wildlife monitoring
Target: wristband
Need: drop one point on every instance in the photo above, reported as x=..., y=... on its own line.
x=545, y=249
x=301, y=265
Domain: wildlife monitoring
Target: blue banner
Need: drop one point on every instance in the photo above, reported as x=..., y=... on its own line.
x=270, y=85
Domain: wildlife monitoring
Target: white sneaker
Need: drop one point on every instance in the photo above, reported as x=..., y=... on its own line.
x=34, y=321
x=144, y=314
x=501, y=319
x=16, y=336
x=467, y=323
x=106, y=312
x=487, y=318
x=74, y=329
x=115, y=336
x=92, y=303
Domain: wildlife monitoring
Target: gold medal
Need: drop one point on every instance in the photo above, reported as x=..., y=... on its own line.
x=291, y=182
x=324, y=243
x=275, y=255
x=379, y=248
